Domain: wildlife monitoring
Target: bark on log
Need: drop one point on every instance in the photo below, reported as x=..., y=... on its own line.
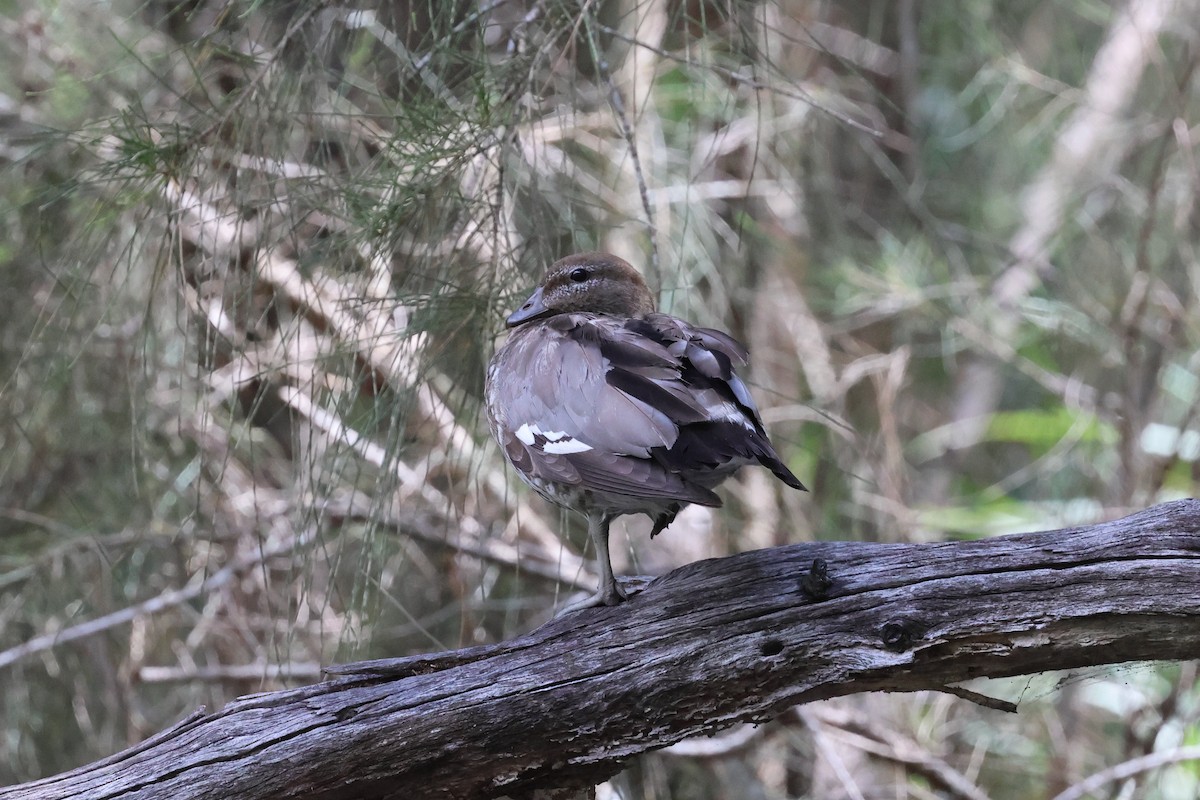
x=710, y=644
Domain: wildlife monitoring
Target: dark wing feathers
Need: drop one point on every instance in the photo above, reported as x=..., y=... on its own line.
x=632, y=352
x=641, y=408
x=712, y=364
x=729, y=431
x=678, y=406
x=639, y=477
x=721, y=342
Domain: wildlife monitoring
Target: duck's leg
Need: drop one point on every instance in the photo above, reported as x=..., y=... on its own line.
x=609, y=593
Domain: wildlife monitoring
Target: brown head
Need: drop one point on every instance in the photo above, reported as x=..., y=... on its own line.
x=596, y=282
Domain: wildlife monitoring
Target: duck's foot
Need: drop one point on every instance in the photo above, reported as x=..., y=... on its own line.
x=610, y=594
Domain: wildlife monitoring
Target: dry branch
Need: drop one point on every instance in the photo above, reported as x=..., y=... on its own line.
x=710, y=644
x=1090, y=145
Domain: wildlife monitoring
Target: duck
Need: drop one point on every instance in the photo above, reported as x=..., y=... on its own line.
x=606, y=407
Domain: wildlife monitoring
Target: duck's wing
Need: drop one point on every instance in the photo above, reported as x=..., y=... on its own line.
x=648, y=407
x=560, y=421
x=718, y=424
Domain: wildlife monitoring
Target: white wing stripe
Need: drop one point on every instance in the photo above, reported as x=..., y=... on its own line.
x=556, y=443
x=565, y=446
x=526, y=433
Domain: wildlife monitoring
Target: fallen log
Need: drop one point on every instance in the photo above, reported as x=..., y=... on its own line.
x=708, y=645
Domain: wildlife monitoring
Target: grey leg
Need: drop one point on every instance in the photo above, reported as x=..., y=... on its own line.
x=609, y=593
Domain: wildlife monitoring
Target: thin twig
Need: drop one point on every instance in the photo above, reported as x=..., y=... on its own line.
x=793, y=92
x=1127, y=769
x=994, y=703
x=872, y=737
x=154, y=605
x=618, y=106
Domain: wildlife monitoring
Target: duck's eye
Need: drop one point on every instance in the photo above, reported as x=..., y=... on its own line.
x=579, y=275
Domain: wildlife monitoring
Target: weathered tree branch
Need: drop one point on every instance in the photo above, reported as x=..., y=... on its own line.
x=710, y=644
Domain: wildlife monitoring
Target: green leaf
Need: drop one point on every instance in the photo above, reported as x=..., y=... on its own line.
x=1042, y=429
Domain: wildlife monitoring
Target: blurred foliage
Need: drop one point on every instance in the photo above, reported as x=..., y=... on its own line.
x=256, y=255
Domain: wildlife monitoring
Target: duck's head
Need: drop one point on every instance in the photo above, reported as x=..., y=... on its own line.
x=599, y=283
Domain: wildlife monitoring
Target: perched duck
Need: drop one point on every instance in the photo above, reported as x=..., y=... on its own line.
x=606, y=407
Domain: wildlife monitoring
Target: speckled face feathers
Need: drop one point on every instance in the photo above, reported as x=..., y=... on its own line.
x=594, y=282
x=606, y=407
